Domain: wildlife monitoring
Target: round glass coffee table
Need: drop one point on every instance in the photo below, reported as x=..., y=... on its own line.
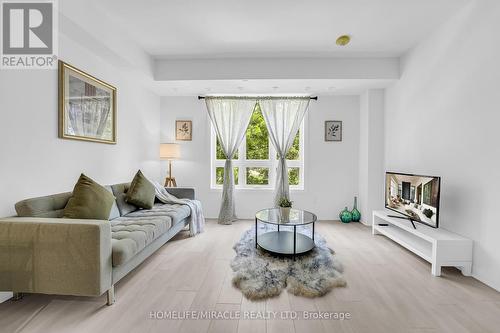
x=285, y=242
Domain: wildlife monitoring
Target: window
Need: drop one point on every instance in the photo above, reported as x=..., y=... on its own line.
x=255, y=161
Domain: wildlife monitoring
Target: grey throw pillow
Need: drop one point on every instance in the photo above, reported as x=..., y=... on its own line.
x=115, y=213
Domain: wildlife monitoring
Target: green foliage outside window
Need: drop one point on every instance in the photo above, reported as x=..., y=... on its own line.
x=257, y=137
x=220, y=153
x=294, y=176
x=294, y=152
x=219, y=175
x=257, y=176
x=257, y=148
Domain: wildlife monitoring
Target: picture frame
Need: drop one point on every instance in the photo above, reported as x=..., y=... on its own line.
x=333, y=130
x=184, y=130
x=87, y=106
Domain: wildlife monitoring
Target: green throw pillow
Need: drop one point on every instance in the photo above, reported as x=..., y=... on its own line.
x=141, y=192
x=89, y=201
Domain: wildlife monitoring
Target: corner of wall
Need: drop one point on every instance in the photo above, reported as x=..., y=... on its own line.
x=371, y=159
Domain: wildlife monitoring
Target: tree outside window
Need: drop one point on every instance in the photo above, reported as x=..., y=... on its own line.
x=253, y=158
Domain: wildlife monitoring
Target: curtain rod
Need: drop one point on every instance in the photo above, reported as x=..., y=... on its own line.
x=262, y=97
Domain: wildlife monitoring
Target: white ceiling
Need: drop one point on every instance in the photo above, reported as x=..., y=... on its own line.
x=277, y=28
x=246, y=29
x=317, y=87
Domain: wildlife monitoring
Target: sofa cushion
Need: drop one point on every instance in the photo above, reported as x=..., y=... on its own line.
x=51, y=206
x=120, y=192
x=176, y=212
x=130, y=235
x=141, y=192
x=89, y=201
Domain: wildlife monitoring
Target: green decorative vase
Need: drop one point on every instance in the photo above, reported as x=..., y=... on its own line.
x=345, y=216
x=356, y=215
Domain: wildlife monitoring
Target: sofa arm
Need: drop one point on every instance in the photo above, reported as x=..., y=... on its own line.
x=181, y=192
x=55, y=256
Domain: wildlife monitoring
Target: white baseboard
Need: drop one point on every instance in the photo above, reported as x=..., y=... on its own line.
x=491, y=284
x=5, y=296
x=368, y=224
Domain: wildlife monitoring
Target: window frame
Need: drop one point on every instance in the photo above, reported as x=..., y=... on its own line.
x=242, y=163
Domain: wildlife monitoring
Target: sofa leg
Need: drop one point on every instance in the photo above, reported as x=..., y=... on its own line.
x=110, y=295
x=17, y=296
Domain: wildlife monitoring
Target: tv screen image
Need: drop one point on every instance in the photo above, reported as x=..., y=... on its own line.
x=414, y=196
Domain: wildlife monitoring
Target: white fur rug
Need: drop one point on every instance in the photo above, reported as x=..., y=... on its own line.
x=260, y=275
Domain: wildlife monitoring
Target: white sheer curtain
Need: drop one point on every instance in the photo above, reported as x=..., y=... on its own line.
x=283, y=117
x=230, y=118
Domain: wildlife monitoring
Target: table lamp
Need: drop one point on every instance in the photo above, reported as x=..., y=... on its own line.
x=169, y=152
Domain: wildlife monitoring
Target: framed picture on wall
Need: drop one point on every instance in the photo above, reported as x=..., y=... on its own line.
x=184, y=130
x=333, y=130
x=87, y=106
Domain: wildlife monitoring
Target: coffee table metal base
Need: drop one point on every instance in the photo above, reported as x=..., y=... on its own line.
x=284, y=242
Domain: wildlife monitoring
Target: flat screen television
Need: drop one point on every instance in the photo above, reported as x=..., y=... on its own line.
x=414, y=196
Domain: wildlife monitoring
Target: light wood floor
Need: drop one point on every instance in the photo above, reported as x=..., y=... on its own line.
x=389, y=290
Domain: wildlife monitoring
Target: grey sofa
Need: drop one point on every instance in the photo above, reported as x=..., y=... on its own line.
x=41, y=252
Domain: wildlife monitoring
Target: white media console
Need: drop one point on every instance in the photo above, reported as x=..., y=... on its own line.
x=440, y=247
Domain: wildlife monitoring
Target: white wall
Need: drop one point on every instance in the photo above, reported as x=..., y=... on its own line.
x=331, y=178
x=275, y=68
x=442, y=118
x=371, y=153
x=34, y=161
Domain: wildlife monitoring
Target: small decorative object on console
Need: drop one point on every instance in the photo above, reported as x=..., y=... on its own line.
x=345, y=215
x=356, y=215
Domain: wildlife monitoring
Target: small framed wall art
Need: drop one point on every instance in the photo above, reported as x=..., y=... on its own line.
x=87, y=106
x=333, y=130
x=184, y=130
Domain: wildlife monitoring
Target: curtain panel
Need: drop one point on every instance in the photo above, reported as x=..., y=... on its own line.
x=230, y=118
x=283, y=118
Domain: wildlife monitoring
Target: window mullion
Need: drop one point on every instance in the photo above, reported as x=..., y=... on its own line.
x=213, y=157
x=272, y=164
x=243, y=160
x=302, y=152
x=242, y=163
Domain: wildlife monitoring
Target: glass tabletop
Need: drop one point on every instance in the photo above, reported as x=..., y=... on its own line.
x=277, y=216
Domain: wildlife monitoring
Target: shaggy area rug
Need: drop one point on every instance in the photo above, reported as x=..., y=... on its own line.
x=260, y=275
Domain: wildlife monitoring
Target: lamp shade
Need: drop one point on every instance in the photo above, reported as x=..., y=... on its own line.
x=170, y=151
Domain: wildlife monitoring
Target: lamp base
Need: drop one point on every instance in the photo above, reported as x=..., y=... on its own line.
x=170, y=182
